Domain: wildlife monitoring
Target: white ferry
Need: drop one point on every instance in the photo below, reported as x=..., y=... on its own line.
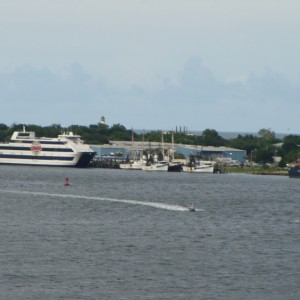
x=67, y=150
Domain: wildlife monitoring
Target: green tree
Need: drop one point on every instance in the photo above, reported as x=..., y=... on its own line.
x=264, y=156
x=3, y=132
x=119, y=132
x=290, y=148
x=212, y=138
x=267, y=137
x=246, y=142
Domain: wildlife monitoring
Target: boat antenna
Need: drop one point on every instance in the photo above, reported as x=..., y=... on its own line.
x=24, y=128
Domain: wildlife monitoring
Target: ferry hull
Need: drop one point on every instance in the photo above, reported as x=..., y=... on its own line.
x=81, y=160
x=85, y=159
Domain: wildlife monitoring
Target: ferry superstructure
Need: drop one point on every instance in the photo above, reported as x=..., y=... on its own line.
x=67, y=150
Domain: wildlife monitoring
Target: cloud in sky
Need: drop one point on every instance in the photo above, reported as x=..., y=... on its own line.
x=195, y=99
x=229, y=65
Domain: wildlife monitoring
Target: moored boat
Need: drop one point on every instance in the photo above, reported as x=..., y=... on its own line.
x=156, y=166
x=294, y=171
x=175, y=167
x=67, y=150
x=200, y=167
x=132, y=165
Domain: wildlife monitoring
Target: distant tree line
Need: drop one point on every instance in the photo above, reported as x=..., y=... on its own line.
x=260, y=148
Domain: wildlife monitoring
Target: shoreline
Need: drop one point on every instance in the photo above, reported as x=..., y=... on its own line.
x=258, y=171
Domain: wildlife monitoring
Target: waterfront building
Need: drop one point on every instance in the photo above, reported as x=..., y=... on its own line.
x=123, y=150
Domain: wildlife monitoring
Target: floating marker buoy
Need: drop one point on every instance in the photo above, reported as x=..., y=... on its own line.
x=67, y=183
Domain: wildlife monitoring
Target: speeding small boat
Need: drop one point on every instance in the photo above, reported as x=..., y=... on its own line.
x=192, y=207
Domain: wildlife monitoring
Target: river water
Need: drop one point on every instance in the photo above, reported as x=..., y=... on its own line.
x=118, y=234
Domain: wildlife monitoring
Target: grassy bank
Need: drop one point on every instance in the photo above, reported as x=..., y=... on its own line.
x=259, y=170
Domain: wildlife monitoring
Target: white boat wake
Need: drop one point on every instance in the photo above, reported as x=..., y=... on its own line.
x=135, y=202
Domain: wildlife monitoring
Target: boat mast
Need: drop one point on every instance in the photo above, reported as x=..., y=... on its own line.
x=162, y=145
x=132, y=137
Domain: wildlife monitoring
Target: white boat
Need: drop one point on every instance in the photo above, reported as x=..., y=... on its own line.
x=156, y=166
x=201, y=167
x=136, y=162
x=67, y=150
x=155, y=163
x=132, y=165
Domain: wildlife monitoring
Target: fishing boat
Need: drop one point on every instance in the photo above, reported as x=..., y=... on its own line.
x=156, y=166
x=200, y=167
x=175, y=167
x=67, y=150
x=157, y=162
x=132, y=165
x=136, y=162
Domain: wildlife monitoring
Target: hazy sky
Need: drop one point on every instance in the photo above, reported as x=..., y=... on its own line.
x=229, y=65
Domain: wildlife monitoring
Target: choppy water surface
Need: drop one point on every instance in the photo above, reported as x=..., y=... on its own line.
x=116, y=234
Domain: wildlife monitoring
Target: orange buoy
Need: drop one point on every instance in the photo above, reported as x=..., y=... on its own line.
x=67, y=183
